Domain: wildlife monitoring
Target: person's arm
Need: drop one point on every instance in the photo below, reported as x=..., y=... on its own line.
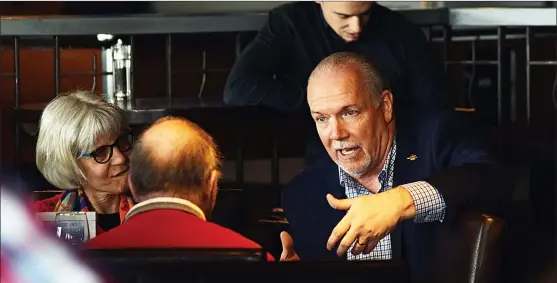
x=474, y=178
x=256, y=78
x=429, y=204
x=425, y=80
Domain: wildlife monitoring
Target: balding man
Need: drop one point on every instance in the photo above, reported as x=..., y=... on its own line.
x=389, y=181
x=173, y=176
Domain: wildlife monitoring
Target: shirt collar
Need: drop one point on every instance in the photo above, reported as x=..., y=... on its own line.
x=193, y=207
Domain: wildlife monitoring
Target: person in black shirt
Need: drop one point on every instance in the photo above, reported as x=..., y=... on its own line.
x=273, y=69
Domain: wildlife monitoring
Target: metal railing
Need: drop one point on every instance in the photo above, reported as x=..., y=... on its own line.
x=440, y=24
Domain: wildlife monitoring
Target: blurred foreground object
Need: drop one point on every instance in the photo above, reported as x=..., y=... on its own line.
x=28, y=255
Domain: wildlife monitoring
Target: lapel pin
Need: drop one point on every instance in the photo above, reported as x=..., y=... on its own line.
x=412, y=157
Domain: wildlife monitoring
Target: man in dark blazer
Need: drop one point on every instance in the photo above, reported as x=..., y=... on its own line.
x=173, y=175
x=388, y=183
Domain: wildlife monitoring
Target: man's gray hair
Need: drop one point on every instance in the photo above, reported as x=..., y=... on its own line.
x=373, y=81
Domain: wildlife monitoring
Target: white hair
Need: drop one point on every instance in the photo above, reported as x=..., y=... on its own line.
x=71, y=124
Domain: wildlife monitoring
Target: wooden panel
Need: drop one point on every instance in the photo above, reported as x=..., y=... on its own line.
x=37, y=85
x=187, y=57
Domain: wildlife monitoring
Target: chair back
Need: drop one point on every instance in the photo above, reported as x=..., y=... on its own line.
x=471, y=250
x=175, y=255
x=232, y=265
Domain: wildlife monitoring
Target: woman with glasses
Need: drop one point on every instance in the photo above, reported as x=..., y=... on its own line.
x=83, y=148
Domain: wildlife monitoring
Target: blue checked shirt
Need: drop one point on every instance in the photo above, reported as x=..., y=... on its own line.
x=429, y=203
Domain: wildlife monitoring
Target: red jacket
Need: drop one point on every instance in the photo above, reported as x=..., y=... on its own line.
x=48, y=205
x=167, y=228
x=6, y=273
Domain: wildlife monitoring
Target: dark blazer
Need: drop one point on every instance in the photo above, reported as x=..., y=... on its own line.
x=451, y=156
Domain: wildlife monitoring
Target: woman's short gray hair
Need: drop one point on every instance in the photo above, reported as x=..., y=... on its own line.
x=71, y=124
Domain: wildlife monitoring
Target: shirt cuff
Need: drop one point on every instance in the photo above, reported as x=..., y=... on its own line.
x=430, y=205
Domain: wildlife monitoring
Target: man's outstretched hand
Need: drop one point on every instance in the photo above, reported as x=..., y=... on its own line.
x=369, y=219
x=288, y=253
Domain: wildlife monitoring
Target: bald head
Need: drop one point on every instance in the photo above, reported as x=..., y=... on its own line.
x=348, y=68
x=170, y=139
x=173, y=155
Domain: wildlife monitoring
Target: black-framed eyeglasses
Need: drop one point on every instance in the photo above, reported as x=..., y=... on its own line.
x=104, y=153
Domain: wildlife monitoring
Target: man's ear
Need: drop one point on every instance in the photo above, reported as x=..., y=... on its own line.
x=132, y=188
x=213, y=191
x=387, y=105
x=214, y=180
